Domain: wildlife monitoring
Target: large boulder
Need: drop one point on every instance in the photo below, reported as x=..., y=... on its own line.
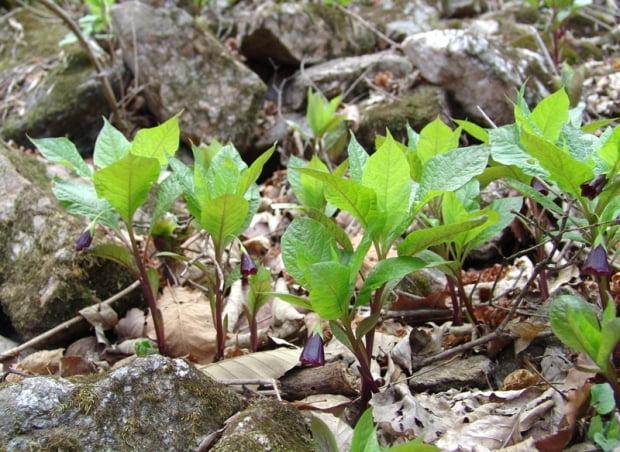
x=153, y=404
x=185, y=68
x=43, y=280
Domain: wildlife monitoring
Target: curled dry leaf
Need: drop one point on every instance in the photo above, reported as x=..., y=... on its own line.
x=519, y=379
x=75, y=365
x=100, y=314
x=132, y=325
x=281, y=310
x=44, y=362
x=188, y=324
x=234, y=305
x=526, y=332
x=85, y=347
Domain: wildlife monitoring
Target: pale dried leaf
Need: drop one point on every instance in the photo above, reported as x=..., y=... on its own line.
x=283, y=311
x=565, y=275
x=188, y=325
x=132, y=325
x=234, y=305
x=85, y=347
x=100, y=314
x=325, y=402
x=526, y=332
x=260, y=365
x=76, y=365
x=43, y=362
x=341, y=430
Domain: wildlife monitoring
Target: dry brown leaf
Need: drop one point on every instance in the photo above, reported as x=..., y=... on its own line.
x=44, y=362
x=526, y=332
x=260, y=365
x=188, y=325
x=85, y=347
x=75, y=365
x=519, y=379
x=100, y=314
x=132, y=325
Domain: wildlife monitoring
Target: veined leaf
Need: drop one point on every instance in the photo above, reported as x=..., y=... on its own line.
x=304, y=243
x=111, y=145
x=339, y=234
x=224, y=172
x=435, y=139
x=126, y=183
x=551, y=114
x=506, y=149
x=116, y=253
x=291, y=298
x=222, y=217
x=386, y=270
x=422, y=239
x=81, y=199
x=576, y=324
x=62, y=150
x=168, y=192
x=557, y=162
x=535, y=195
x=249, y=176
x=184, y=177
x=158, y=142
x=474, y=130
x=364, y=434
x=329, y=288
x=309, y=190
x=357, y=159
x=346, y=194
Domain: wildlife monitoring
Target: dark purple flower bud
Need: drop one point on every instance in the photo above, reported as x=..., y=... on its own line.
x=592, y=188
x=247, y=266
x=313, y=353
x=84, y=240
x=539, y=186
x=597, y=263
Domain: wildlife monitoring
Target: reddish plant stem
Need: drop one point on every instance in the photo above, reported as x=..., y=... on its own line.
x=219, y=309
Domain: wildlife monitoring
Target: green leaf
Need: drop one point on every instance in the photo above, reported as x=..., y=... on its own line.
x=339, y=234
x=556, y=161
x=309, y=190
x=386, y=270
x=324, y=440
x=168, y=192
x=367, y=324
x=346, y=195
x=158, y=142
x=224, y=172
x=304, y=243
x=575, y=323
x=545, y=201
x=329, y=288
x=443, y=172
x=222, y=217
x=412, y=446
x=435, y=139
x=291, y=298
x=357, y=159
x=506, y=149
x=81, y=199
x=505, y=208
x=551, y=114
x=249, y=176
x=125, y=184
x=115, y=253
x=260, y=285
x=602, y=398
x=62, y=150
x=364, y=434
x=474, y=130
x=185, y=178
x=111, y=145
x=422, y=239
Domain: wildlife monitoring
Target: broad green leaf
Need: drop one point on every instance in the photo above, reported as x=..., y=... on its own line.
x=366, y=325
x=329, y=288
x=260, y=285
x=387, y=173
x=184, y=176
x=340, y=334
x=339, y=234
x=551, y=114
x=304, y=243
x=222, y=217
x=224, y=172
x=126, y=183
x=153, y=276
x=474, y=130
x=575, y=323
x=505, y=208
x=364, y=434
x=168, y=192
x=62, y=150
x=346, y=194
x=556, y=162
x=158, y=142
x=386, y=270
x=413, y=446
x=506, y=149
x=545, y=201
x=609, y=152
x=309, y=190
x=81, y=199
x=111, y=145
x=444, y=173
x=593, y=126
x=602, y=398
x=581, y=146
x=435, y=139
x=115, y=253
x=357, y=159
x=249, y=176
x=422, y=239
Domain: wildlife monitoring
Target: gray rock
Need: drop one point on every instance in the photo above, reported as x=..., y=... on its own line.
x=476, y=71
x=43, y=281
x=266, y=426
x=290, y=33
x=469, y=372
x=48, y=90
x=401, y=18
x=186, y=69
x=155, y=403
x=352, y=75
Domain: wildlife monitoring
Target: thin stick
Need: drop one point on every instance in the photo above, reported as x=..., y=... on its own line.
x=65, y=325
